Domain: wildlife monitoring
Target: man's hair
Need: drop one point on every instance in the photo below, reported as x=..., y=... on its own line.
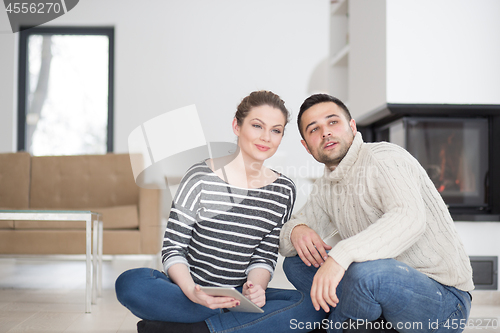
x=316, y=99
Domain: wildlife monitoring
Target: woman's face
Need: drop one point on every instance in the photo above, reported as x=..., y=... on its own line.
x=261, y=132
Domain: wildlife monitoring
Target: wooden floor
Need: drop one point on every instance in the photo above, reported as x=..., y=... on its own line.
x=40, y=295
x=47, y=295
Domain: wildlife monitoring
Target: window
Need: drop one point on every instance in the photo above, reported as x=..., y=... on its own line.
x=66, y=91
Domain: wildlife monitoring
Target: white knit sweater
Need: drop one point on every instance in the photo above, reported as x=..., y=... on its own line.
x=383, y=205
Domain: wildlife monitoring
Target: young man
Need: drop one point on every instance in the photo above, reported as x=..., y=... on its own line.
x=399, y=257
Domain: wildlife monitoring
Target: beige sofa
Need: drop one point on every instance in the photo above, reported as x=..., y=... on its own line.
x=101, y=183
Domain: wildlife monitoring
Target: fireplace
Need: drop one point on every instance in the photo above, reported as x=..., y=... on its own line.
x=458, y=149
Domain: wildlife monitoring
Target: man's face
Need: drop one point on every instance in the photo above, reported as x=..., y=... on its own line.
x=327, y=133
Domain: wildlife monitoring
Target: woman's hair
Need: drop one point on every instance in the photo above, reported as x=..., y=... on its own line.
x=259, y=98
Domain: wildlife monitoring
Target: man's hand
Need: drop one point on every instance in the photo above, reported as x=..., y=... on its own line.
x=326, y=280
x=309, y=246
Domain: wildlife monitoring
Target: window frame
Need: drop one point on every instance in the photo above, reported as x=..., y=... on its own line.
x=24, y=34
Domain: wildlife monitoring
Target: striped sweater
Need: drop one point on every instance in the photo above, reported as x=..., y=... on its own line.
x=220, y=231
x=383, y=205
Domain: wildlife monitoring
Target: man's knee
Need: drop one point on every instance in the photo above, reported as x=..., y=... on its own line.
x=375, y=271
x=299, y=274
x=290, y=264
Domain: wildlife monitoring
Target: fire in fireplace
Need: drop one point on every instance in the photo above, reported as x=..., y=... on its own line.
x=458, y=152
x=453, y=151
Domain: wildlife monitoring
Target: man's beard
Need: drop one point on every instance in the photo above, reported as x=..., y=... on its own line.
x=336, y=158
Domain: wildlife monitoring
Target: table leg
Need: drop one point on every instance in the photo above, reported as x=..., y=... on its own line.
x=101, y=235
x=87, y=252
x=94, y=260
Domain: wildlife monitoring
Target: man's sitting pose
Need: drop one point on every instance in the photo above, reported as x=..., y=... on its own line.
x=399, y=256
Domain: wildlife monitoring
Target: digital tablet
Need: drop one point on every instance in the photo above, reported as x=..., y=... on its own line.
x=246, y=305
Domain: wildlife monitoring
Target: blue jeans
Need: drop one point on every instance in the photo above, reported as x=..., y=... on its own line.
x=149, y=294
x=409, y=300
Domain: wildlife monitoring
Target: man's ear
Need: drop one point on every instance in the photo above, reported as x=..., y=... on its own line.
x=305, y=146
x=236, y=127
x=352, y=124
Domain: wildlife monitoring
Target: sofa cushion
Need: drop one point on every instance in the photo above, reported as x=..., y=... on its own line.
x=66, y=242
x=79, y=182
x=15, y=180
x=6, y=224
x=122, y=217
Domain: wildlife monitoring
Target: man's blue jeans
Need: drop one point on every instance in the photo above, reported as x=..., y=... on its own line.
x=408, y=299
x=149, y=294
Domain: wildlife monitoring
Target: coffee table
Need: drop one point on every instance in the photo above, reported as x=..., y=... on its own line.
x=93, y=223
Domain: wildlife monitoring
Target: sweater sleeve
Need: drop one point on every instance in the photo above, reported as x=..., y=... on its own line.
x=311, y=214
x=403, y=220
x=180, y=223
x=266, y=254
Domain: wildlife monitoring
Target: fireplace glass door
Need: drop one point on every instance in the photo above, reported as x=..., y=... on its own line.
x=454, y=152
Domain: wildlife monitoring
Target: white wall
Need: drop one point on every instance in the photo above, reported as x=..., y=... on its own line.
x=444, y=51
x=428, y=51
x=170, y=54
x=367, y=58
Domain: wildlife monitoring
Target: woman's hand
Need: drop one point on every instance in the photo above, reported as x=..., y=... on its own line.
x=179, y=274
x=255, y=293
x=213, y=302
x=255, y=287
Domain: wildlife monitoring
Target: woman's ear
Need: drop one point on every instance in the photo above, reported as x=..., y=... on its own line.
x=236, y=127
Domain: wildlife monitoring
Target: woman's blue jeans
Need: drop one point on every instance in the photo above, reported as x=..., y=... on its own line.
x=409, y=300
x=149, y=294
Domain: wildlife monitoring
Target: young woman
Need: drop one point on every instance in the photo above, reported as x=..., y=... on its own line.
x=223, y=231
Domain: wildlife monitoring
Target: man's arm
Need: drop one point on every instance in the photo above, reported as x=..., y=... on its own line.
x=303, y=234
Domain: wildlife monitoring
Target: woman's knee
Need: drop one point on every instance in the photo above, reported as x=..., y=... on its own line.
x=127, y=282
x=127, y=277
